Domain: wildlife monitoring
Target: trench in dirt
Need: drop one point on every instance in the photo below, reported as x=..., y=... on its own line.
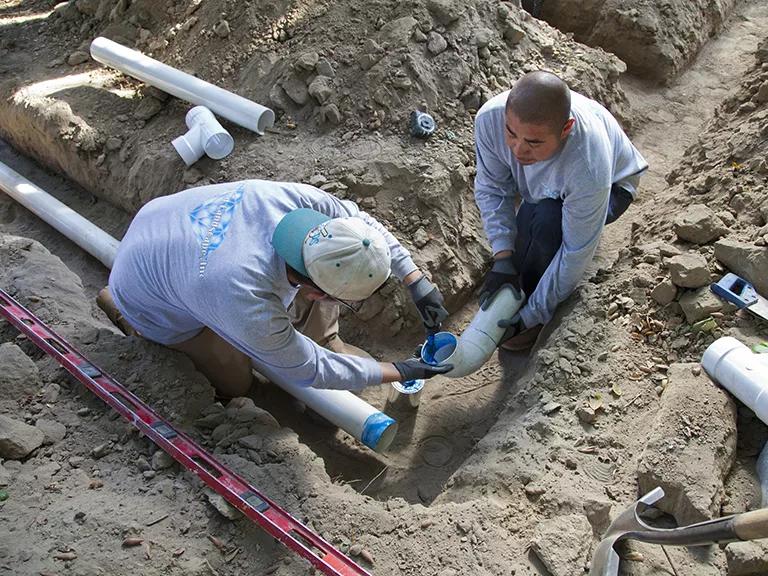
x=454, y=415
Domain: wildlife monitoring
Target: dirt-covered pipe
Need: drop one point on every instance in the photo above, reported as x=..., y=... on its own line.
x=205, y=136
x=235, y=108
x=476, y=344
x=82, y=232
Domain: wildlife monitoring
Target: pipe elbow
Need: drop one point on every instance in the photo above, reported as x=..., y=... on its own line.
x=205, y=136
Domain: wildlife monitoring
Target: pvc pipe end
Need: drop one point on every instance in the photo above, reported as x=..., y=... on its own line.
x=190, y=154
x=379, y=431
x=266, y=120
x=219, y=145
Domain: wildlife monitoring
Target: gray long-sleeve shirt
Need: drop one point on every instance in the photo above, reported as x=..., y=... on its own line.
x=595, y=155
x=203, y=257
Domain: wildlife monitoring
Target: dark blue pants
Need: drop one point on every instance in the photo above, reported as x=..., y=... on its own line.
x=540, y=234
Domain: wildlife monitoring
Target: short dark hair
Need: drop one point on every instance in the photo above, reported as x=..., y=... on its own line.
x=540, y=97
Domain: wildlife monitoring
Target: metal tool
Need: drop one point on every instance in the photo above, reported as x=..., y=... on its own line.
x=236, y=490
x=738, y=291
x=629, y=526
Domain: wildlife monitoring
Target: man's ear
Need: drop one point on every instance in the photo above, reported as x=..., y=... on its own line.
x=567, y=128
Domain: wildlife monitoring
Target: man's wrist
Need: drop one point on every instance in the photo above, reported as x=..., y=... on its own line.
x=503, y=254
x=412, y=277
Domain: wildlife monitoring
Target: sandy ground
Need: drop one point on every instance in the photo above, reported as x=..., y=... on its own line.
x=489, y=464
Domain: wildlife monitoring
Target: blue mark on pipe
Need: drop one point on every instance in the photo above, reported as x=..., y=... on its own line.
x=374, y=427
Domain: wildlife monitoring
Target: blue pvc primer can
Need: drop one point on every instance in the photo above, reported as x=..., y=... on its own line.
x=439, y=348
x=375, y=428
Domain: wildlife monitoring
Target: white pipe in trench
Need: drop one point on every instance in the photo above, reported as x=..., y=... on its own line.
x=239, y=110
x=350, y=413
x=82, y=232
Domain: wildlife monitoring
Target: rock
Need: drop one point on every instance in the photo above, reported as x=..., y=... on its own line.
x=330, y=114
x=147, y=108
x=113, y=143
x=162, y=460
x=76, y=461
x=586, y=414
x=243, y=410
x=664, y=292
x=691, y=446
x=483, y=37
x=598, y=514
x=307, y=61
x=52, y=431
x=222, y=506
x=513, y=34
x=78, y=57
x=221, y=29
x=689, y=270
x=321, y=89
x=747, y=558
x=436, y=43
x=325, y=68
x=18, y=440
x=101, y=450
x=19, y=376
x=87, y=7
x=296, y=89
x=762, y=93
x=699, y=224
x=445, y=11
x=562, y=543
x=700, y=303
x=746, y=260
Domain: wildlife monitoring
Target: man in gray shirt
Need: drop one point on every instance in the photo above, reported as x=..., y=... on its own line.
x=569, y=163
x=214, y=272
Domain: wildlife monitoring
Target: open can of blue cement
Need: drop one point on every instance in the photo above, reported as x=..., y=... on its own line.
x=405, y=394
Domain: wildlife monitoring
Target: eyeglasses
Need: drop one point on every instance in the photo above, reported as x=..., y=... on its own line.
x=353, y=305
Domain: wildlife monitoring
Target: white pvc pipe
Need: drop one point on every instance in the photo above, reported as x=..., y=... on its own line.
x=740, y=371
x=475, y=346
x=239, y=110
x=88, y=236
x=205, y=136
x=369, y=425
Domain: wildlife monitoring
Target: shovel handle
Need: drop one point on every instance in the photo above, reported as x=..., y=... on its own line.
x=751, y=525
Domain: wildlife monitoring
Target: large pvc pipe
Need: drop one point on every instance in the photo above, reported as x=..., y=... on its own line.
x=88, y=236
x=205, y=136
x=469, y=352
x=369, y=425
x=740, y=371
x=239, y=110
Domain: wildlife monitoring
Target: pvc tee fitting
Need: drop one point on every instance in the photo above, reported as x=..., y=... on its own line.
x=472, y=349
x=205, y=136
x=740, y=371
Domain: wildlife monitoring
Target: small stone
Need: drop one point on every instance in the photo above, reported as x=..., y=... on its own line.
x=700, y=303
x=308, y=60
x=162, y=460
x=747, y=558
x=445, y=11
x=598, y=512
x=664, y=293
x=113, y=143
x=699, y=224
x=143, y=464
x=562, y=542
x=330, y=114
x=17, y=439
x=586, y=414
x=436, y=44
x=149, y=474
x=221, y=505
x=325, y=68
x=321, y=89
x=78, y=57
x=551, y=407
x=689, y=270
x=100, y=451
x=317, y=180
x=514, y=35
x=76, y=461
x=420, y=238
x=83, y=411
x=296, y=89
x=762, y=93
x=222, y=29
x=147, y=108
x=53, y=431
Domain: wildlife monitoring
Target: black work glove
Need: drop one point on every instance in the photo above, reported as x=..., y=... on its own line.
x=502, y=273
x=429, y=303
x=415, y=369
x=513, y=326
x=618, y=202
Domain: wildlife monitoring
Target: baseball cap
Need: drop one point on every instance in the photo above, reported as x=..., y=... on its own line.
x=345, y=257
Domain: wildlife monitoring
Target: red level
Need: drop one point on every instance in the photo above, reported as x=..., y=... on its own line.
x=235, y=489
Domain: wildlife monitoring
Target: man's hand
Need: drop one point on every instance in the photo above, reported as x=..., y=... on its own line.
x=502, y=273
x=429, y=302
x=415, y=369
x=514, y=326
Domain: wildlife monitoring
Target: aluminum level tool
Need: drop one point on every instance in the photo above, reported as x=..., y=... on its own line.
x=273, y=519
x=738, y=291
x=629, y=526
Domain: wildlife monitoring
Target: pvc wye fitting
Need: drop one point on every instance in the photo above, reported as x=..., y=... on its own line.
x=475, y=346
x=205, y=136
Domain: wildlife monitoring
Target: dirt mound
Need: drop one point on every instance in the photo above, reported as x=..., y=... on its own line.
x=343, y=78
x=656, y=39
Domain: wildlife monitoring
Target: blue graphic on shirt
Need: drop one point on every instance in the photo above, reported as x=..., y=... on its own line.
x=210, y=221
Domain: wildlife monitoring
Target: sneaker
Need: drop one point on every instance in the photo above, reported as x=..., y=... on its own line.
x=107, y=305
x=523, y=341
